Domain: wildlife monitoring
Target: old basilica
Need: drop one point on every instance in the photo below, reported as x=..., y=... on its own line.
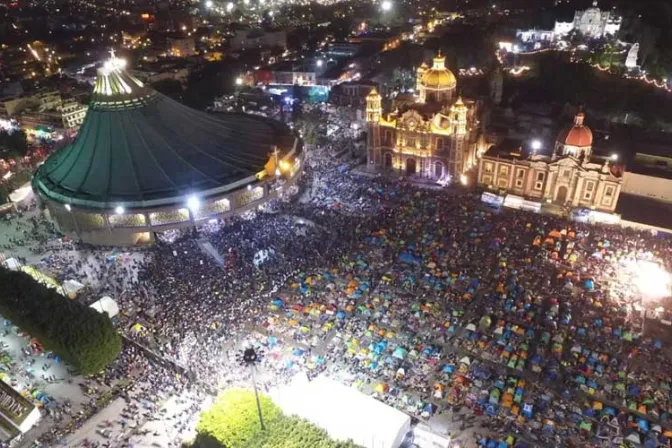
x=428, y=134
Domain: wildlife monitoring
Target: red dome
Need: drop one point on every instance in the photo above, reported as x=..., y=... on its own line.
x=577, y=135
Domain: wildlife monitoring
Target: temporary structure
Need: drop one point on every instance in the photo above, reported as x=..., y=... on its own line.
x=344, y=412
x=72, y=287
x=106, y=305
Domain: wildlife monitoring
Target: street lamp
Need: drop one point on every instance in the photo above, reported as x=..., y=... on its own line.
x=119, y=210
x=193, y=203
x=386, y=5
x=614, y=157
x=249, y=357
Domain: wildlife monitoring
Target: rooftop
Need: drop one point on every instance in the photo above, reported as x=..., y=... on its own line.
x=141, y=148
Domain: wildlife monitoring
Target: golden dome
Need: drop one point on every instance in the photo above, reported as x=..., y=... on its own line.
x=439, y=77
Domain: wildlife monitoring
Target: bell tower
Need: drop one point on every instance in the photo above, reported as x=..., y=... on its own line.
x=373, y=107
x=374, y=111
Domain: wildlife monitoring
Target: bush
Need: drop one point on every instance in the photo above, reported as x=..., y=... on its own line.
x=293, y=432
x=232, y=422
x=80, y=335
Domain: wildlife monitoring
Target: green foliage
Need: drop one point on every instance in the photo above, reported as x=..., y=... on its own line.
x=79, y=334
x=232, y=422
x=293, y=432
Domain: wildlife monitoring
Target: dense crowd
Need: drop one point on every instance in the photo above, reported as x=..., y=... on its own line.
x=425, y=298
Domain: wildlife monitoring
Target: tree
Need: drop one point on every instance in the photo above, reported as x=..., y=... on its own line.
x=232, y=422
x=77, y=333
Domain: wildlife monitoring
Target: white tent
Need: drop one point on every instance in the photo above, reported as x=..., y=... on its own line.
x=344, y=412
x=12, y=264
x=23, y=193
x=72, y=287
x=106, y=305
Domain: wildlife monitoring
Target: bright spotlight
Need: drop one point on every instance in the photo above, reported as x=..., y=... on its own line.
x=193, y=203
x=229, y=7
x=119, y=210
x=239, y=81
x=386, y=5
x=208, y=4
x=463, y=179
x=653, y=282
x=614, y=157
x=277, y=172
x=67, y=207
x=536, y=145
x=319, y=62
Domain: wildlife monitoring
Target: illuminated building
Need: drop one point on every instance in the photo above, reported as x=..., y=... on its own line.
x=430, y=137
x=143, y=163
x=567, y=178
x=181, y=47
x=592, y=22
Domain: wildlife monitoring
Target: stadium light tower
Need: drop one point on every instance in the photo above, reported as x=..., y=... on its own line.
x=249, y=358
x=386, y=5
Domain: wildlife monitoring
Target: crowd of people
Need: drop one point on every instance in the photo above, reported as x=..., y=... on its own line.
x=427, y=299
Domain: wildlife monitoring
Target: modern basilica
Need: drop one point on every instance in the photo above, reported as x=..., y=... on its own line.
x=428, y=134
x=566, y=178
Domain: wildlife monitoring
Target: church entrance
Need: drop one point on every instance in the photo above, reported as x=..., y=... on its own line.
x=438, y=170
x=387, y=161
x=410, y=166
x=561, y=195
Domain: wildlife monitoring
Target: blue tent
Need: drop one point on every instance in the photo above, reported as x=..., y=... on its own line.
x=340, y=315
x=279, y=303
x=633, y=390
x=409, y=258
x=297, y=352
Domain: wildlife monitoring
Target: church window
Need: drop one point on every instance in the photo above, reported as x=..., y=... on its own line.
x=609, y=192
x=520, y=174
x=410, y=141
x=539, y=184
x=566, y=173
x=503, y=170
x=488, y=167
x=388, y=137
x=590, y=186
x=439, y=147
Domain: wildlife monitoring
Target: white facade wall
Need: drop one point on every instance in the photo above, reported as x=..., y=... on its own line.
x=647, y=186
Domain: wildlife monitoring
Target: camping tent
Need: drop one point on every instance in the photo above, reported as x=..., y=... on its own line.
x=106, y=305
x=72, y=287
x=349, y=414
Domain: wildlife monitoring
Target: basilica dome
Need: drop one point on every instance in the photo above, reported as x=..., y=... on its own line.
x=438, y=77
x=577, y=135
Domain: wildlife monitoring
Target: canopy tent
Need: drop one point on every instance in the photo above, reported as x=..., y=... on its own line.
x=344, y=412
x=72, y=287
x=12, y=264
x=106, y=305
x=23, y=193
